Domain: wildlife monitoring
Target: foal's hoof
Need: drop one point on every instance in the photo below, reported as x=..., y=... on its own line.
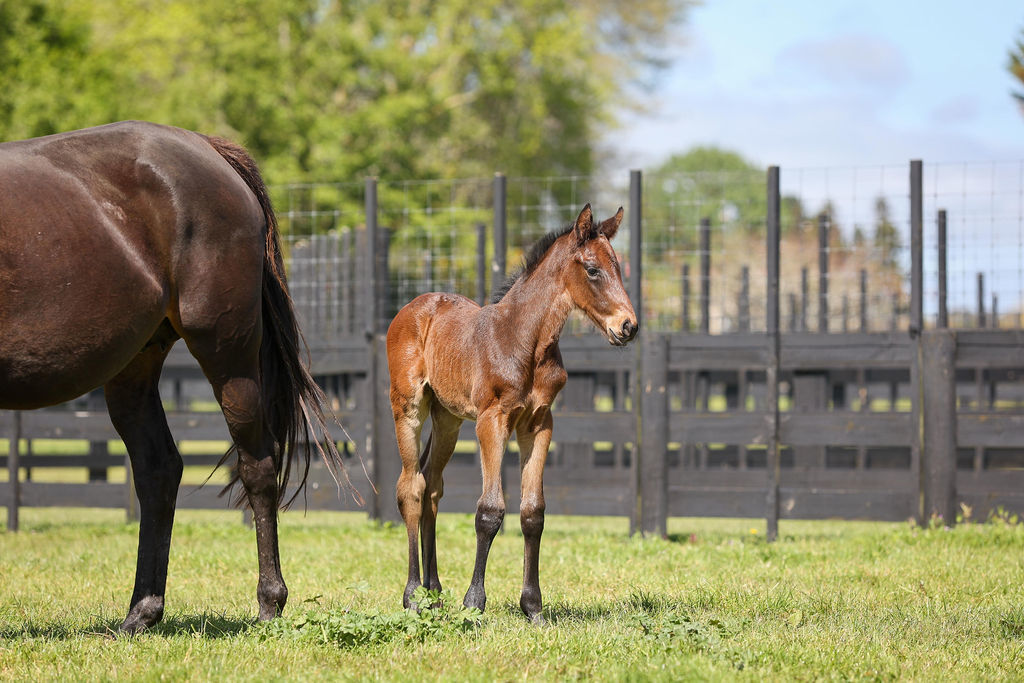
x=407, y=601
x=537, y=619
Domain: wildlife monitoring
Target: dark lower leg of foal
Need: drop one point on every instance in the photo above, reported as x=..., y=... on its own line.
x=133, y=402
x=533, y=448
x=490, y=509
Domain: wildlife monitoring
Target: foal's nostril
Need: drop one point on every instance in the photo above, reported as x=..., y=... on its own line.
x=628, y=329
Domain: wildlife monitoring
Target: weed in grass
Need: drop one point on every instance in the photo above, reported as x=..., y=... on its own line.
x=345, y=628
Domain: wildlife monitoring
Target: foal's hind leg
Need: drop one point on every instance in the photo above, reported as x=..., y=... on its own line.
x=410, y=409
x=133, y=402
x=444, y=434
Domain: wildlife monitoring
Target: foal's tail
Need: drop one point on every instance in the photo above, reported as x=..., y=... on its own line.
x=293, y=403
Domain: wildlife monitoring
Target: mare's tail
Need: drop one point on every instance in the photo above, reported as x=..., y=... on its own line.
x=293, y=404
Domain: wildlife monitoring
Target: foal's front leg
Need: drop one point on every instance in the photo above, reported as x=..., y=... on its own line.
x=534, y=437
x=493, y=428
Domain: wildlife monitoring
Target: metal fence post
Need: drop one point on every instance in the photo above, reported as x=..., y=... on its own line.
x=772, y=239
x=686, y=298
x=481, y=264
x=705, y=275
x=500, y=232
x=823, y=253
x=943, y=320
x=370, y=286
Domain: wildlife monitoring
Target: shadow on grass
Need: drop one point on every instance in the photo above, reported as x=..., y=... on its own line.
x=208, y=626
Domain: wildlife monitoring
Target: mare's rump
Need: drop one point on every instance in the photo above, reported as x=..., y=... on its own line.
x=102, y=234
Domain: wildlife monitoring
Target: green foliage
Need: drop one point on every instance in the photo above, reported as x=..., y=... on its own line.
x=333, y=90
x=441, y=615
x=1015, y=65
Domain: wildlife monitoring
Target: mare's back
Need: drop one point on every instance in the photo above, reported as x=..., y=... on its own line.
x=92, y=225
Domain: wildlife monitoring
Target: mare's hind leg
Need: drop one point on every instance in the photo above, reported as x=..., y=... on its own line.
x=230, y=361
x=133, y=401
x=534, y=437
x=444, y=434
x=410, y=408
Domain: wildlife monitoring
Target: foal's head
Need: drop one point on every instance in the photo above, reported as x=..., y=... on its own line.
x=593, y=279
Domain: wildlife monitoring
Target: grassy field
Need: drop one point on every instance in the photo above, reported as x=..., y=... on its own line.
x=830, y=600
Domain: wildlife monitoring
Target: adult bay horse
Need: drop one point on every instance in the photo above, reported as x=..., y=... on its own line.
x=500, y=365
x=115, y=242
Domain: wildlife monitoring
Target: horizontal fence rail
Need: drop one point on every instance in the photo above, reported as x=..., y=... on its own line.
x=813, y=345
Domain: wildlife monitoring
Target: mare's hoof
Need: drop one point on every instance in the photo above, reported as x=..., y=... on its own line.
x=145, y=613
x=475, y=597
x=537, y=619
x=271, y=598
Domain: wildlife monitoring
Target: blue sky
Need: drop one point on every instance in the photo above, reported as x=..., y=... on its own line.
x=804, y=83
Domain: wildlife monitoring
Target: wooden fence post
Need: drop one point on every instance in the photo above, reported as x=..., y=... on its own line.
x=772, y=238
x=916, y=326
x=635, y=291
x=938, y=465
x=686, y=298
x=13, y=450
x=653, y=489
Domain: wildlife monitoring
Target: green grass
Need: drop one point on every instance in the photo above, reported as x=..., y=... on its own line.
x=830, y=600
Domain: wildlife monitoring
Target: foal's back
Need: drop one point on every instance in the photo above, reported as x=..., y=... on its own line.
x=447, y=342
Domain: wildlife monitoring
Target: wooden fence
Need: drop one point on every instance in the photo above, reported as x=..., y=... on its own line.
x=775, y=424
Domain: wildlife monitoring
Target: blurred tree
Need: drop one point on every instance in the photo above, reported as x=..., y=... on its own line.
x=51, y=79
x=1015, y=66
x=341, y=89
x=887, y=241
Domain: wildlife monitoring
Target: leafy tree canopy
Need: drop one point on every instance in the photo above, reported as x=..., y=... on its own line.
x=337, y=90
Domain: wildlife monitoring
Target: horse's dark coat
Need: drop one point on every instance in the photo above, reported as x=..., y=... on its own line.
x=118, y=240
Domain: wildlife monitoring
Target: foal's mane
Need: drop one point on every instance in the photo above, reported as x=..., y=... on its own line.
x=534, y=255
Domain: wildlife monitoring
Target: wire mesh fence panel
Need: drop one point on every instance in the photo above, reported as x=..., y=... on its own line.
x=984, y=205
x=693, y=275
x=866, y=274
x=433, y=236
x=323, y=246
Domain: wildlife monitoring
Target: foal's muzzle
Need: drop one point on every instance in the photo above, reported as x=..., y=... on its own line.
x=624, y=334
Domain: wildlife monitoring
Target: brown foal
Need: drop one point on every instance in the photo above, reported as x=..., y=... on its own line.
x=499, y=365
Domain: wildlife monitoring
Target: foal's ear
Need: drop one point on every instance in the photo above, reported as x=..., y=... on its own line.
x=583, y=228
x=611, y=226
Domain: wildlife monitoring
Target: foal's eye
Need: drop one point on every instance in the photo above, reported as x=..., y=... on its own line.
x=592, y=271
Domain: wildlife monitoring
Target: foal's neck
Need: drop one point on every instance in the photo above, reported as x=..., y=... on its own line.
x=537, y=308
